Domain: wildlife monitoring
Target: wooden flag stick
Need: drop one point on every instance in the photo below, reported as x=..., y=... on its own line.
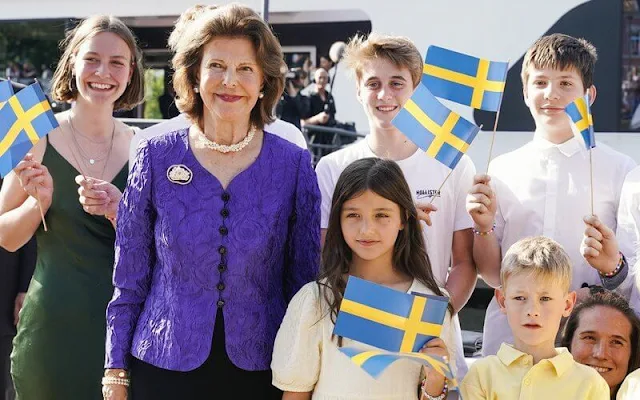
x=445, y=179
x=493, y=138
x=591, y=177
x=440, y=188
x=495, y=123
x=44, y=223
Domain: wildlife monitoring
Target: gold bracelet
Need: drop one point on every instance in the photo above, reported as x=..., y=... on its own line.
x=113, y=380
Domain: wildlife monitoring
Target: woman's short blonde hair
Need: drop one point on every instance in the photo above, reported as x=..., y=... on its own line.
x=398, y=49
x=232, y=20
x=63, y=87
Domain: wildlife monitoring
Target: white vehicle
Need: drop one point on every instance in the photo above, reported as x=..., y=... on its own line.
x=494, y=29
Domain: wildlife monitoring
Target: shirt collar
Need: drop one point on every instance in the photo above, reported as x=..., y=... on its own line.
x=568, y=148
x=561, y=362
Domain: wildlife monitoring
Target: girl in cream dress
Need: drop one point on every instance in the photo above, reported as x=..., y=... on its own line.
x=373, y=234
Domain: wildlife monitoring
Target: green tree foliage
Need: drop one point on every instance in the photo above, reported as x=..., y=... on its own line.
x=154, y=88
x=33, y=41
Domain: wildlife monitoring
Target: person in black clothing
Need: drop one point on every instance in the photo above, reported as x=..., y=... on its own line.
x=16, y=270
x=293, y=106
x=322, y=109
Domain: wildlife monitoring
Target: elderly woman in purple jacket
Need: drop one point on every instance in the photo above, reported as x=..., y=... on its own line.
x=218, y=227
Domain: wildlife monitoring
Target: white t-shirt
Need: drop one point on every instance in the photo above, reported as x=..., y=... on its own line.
x=544, y=189
x=424, y=176
x=628, y=232
x=278, y=127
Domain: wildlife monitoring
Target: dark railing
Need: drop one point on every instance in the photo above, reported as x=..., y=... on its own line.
x=322, y=140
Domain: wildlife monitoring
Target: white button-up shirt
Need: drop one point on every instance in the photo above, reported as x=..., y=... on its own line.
x=544, y=189
x=628, y=233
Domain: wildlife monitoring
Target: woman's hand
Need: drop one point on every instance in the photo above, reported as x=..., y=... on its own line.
x=434, y=381
x=36, y=180
x=98, y=197
x=114, y=392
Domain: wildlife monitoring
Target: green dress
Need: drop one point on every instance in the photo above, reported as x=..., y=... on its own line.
x=59, y=348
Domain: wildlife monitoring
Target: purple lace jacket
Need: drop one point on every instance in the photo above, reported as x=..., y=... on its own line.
x=185, y=251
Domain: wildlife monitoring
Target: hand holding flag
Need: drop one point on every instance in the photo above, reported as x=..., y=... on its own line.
x=24, y=120
x=399, y=324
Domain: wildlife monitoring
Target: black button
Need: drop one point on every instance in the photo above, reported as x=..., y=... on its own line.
x=224, y=212
x=222, y=250
x=223, y=230
x=222, y=267
x=220, y=286
x=226, y=196
x=220, y=303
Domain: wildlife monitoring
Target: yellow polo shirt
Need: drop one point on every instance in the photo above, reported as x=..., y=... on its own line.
x=511, y=375
x=630, y=389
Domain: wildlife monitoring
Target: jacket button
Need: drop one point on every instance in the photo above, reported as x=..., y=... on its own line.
x=225, y=196
x=220, y=286
x=223, y=230
x=222, y=267
x=220, y=303
x=224, y=212
x=222, y=250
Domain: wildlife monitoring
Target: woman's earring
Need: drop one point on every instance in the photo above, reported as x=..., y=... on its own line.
x=261, y=95
x=196, y=89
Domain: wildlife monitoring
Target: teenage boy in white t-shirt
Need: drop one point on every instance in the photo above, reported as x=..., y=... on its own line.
x=543, y=188
x=387, y=70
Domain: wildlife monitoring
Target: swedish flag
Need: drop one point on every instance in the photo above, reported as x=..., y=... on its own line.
x=24, y=120
x=376, y=361
x=440, y=132
x=389, y=319
x=580, y=113
x=465, y=79
x=6, y=91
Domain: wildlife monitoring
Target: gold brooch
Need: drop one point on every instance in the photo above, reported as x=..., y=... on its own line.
x=179, y=174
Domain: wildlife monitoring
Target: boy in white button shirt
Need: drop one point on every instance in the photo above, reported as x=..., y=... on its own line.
x=628, y=233
x=543, y=188
x=388, y=69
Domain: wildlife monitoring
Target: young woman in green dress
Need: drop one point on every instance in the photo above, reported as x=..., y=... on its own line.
x=76, y=175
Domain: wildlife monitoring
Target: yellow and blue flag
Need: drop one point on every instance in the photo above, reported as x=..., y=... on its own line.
x=398, y=324
x=375, y=361
x=465, y=79
x=389, y=319
x=6, y=91
x=580, y=113
x=440, y=132
x=24, y=120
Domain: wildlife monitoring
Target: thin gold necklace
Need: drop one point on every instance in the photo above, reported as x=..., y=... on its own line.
x=83, y=154
x=73, y=154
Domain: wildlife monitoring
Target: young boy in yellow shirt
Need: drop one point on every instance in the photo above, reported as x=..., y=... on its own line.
x=535, y=277
x=630, y=389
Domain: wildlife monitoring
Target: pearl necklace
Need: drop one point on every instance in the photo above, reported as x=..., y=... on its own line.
x=223, y=148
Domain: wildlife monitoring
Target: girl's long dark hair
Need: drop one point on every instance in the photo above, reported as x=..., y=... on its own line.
x=385, y=178
x=606, y=298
